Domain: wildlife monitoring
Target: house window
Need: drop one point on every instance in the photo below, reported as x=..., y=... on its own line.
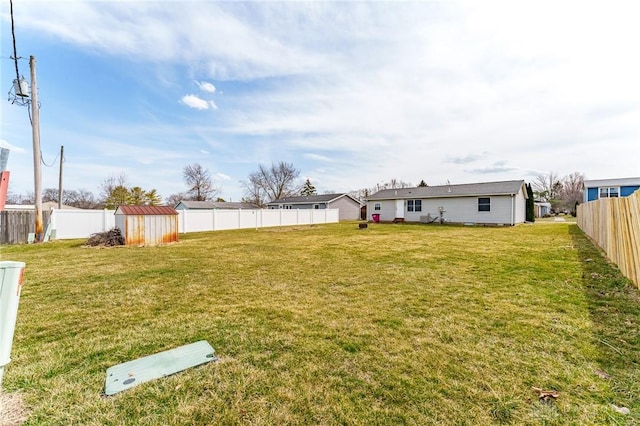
x=287, y=207
x=612, y=192
x=376, y=206
x=316, y=206
x=414, y=205
x=484, y=204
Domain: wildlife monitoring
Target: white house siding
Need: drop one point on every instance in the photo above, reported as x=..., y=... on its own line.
x=387, y=210
x=349, y=209
x=463, y=210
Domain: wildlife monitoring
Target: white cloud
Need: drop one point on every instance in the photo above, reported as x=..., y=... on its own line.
x=204, y=152
x=317, y=157
x=12, y=148
x=222, y=176
x=206, y=86
x=376, y=90
x=193, y=101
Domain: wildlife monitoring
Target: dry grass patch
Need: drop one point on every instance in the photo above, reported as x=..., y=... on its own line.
x=332, y=324
x=12, y=409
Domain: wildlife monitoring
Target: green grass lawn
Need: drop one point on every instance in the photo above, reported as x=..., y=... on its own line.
x=394, y=324
x=555, y=219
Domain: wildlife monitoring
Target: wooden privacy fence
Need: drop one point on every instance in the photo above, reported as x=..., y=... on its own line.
x=614, y=224
x=15, y=226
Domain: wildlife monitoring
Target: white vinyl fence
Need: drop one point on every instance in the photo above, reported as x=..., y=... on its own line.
x=69, y=224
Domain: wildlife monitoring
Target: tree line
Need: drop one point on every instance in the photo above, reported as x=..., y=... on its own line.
x=268, y=183
x=563, y=193
x=277, y=181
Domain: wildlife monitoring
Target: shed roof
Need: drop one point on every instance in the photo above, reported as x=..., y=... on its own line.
x=146, y=210
x=306, y=199
x=510, y=187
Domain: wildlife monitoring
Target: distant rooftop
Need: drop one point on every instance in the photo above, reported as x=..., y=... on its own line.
x=303, y=199
x=510, y=187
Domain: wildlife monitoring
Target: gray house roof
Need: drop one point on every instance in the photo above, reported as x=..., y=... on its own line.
x=306, y=199
x=510, y=187
x=210, y=205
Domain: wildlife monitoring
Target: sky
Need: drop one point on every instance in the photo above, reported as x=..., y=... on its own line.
x=352, y=93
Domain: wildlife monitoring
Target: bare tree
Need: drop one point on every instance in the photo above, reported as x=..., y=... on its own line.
x=272, y=183
x=253, y=193
x=571, y=194
x=13, y=198
x=82, y=199
x=108, y=186
x=174, y=199
x=49, y=194
x=199, y=182
x=395, y=183
x=546, y=186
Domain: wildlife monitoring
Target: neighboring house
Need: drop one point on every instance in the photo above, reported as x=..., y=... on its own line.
x=499, y=203
x=214, y=205
x=609, y=188
x=541, y=209
x=348, y=206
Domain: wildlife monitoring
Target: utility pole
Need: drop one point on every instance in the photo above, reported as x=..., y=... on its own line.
x=35, y=130
x=60, y=179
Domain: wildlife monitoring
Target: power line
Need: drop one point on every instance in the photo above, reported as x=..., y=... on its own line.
x=13, y=35
x=52, y=163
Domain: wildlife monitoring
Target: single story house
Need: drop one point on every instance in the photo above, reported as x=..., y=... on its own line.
x=214, y=205
x=497, y=203
x=348, y=206
x=541, y=209
x=609, y=188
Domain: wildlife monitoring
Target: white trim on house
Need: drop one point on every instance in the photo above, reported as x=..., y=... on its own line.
x=598, y=183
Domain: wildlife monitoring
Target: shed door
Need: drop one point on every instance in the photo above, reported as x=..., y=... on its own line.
x=400, y=209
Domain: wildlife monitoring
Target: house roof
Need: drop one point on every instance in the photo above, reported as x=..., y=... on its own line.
x=612, y=182
x=208, y=205
x=306, y=199
x=510, y=187
x=146, y=210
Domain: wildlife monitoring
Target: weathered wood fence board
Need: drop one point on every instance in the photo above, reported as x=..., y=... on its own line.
x=15, y=226
x=614, y=224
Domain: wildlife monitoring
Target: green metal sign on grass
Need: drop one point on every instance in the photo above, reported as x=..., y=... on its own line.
x=131, y=373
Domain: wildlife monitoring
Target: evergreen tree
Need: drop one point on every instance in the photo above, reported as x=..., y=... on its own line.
x=308, y=188
x=530, y=215
x=137, y=196
x=119, y=196
x=152, y=198
x=422, y=184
